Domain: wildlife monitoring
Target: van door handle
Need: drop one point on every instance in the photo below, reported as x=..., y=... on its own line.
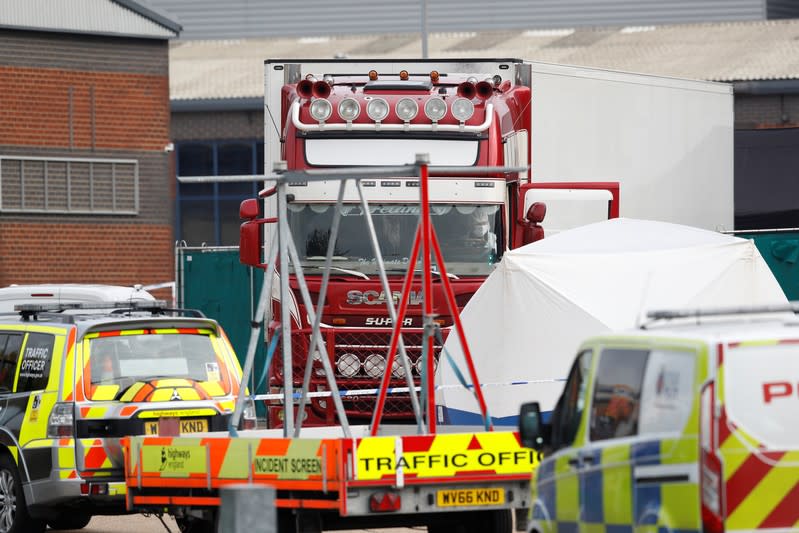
x=587, y=458
x=574, y=461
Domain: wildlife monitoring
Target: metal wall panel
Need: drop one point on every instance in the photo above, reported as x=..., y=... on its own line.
x=217, y=19
x=82, y=16
x=783, y=9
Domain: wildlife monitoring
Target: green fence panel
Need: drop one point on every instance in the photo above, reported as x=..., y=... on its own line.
x=780, y=249
x=215, y=282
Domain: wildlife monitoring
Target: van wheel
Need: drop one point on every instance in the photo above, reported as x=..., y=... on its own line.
x=474, y=522
x=74, y=520
x=14, y=517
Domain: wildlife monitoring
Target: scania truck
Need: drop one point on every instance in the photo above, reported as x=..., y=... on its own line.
x=589, y=138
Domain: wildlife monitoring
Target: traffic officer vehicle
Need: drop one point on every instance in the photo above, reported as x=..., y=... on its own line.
x=75, y=378
x=678, y=426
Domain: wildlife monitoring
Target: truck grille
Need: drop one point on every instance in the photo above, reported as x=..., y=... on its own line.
x=358, y=358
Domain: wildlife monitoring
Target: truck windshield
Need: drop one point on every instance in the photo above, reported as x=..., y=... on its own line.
x=470, y=236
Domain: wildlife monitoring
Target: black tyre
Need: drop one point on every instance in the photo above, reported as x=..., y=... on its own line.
x=474, y=522
x=14, y=517
x=70, y=520
x=500, y=521
x=197, y=525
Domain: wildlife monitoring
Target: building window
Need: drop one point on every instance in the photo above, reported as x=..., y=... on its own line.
x=208, y=213
x=69, y=185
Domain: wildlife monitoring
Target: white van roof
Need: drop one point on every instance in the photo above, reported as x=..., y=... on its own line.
x=68, y=293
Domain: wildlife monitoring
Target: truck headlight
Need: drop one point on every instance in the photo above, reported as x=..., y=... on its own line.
x=435, y=109
x=462, y=109
x=377, y=109
x=374, y=365
x=407, y=109
x=348, y=365
x=321, y=109
x=349, y=109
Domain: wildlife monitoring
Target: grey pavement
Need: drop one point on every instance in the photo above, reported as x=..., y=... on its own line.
x=150, y=524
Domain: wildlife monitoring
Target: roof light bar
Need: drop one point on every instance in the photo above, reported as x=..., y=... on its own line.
x=790, y=307
x=64, y=306
x=474, y=128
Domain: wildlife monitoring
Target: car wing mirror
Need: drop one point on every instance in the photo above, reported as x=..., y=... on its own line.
x=530, y=426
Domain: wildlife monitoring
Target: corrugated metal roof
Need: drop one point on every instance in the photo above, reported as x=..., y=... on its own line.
x=104, y=17
x=233, y=19
x=740, y=51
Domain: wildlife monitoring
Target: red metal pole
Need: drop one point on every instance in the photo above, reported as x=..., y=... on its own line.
x=453, y=309
x=395, y=333
x=427, y=281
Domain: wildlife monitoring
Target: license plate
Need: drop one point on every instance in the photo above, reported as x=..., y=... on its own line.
x=189, y=425
x=470, y=497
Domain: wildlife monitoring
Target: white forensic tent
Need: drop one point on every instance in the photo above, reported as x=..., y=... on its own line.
x=527, y=320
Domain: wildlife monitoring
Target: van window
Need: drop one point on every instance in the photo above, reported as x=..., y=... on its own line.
x=124, y=359
x=569, y=410
x=668, y=395
x=34, y=370
x=617, y=393
x=10, y=343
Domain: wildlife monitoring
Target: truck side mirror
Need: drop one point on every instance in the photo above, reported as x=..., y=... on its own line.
x=250, y=234
x=532, y=223
x=530, y=426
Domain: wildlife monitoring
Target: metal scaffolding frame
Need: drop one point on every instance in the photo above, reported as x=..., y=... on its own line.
x=282, y=253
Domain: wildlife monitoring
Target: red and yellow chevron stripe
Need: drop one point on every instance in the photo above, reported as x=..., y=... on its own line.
x=761, y=484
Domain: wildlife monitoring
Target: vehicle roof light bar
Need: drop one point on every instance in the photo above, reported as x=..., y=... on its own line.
x=790, y=307
x=145, y=305
x=364, y=126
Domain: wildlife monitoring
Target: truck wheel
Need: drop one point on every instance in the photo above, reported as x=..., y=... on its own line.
x=499, y=521
x=14, y=517
x=74, y=520
x=474, y=522
x=196, y=525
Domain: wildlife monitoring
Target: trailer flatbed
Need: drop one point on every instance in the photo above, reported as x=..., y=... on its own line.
x=395, y=478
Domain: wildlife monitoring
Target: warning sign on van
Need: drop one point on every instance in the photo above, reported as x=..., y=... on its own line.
x=300, y=460
x=443, y=455
x=174, y=461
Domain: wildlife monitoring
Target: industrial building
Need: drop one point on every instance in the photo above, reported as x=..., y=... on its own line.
x=86, y=188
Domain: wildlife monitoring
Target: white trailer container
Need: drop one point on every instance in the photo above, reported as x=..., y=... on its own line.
x=667, y=141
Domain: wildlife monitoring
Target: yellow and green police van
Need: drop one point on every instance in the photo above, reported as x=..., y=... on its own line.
x=76, y=378
x=684, y=425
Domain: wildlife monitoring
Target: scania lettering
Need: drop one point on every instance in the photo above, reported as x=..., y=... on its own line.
x=375, y=298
